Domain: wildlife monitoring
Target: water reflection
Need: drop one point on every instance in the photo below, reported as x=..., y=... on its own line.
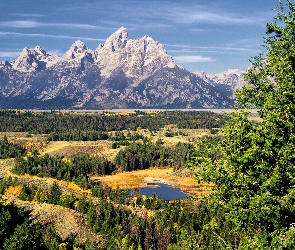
x=164, y=191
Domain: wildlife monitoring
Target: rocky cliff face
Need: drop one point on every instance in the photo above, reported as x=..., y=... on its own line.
x=31, y=60
x=230, y=77
x=138, y=58
x=121, y=73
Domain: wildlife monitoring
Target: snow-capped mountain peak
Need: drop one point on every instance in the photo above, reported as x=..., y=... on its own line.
x=149, y=39
x=39, y=50
x=136, y=58
x=77, y=50
x=5, y=63
x=34, y=59
x=122, y=29
x=121, y=73
x=231, y=77
x=117, y=40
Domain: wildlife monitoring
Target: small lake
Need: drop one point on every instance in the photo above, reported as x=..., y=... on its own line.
x=164, y=191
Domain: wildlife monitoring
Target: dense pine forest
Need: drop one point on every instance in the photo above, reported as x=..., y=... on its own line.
x=10, y=150
x=124, y=218
x=58, y=121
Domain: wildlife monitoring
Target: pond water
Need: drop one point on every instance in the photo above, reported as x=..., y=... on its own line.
x=164, y=191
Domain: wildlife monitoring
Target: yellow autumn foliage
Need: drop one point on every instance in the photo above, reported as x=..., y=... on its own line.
x=13, y=192
x=31, y=146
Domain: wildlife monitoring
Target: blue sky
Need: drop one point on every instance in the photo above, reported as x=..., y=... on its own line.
x=210, y=36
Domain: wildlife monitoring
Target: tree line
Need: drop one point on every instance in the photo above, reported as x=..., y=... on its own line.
x=10, y=150
x=79, y=167
x=153, y=154
x=56, y=122
x=76, y=168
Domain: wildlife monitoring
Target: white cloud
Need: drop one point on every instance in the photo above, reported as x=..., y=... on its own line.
x=188, y=13
x=9, y=54
x=160, y=14
x=35, y=24
x=19, y=24
x=29, y=15
x=192, y=59
x=199, y=16
x=73, y=25
x=51, y=36
x=217, y=14
x=181, y=48
x=246, y=43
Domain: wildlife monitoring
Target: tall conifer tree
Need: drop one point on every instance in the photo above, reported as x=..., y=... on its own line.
x=255, y=176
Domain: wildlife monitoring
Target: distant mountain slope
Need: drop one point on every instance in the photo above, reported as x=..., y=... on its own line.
x=231, y=77
x=121, y=73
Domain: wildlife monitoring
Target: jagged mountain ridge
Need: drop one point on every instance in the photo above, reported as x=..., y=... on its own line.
x=233, y=78
x=35, y=59
x=230, y=77
x=120, y=73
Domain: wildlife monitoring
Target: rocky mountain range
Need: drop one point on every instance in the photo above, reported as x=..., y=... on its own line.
x=121, y=73
x=233, y=78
